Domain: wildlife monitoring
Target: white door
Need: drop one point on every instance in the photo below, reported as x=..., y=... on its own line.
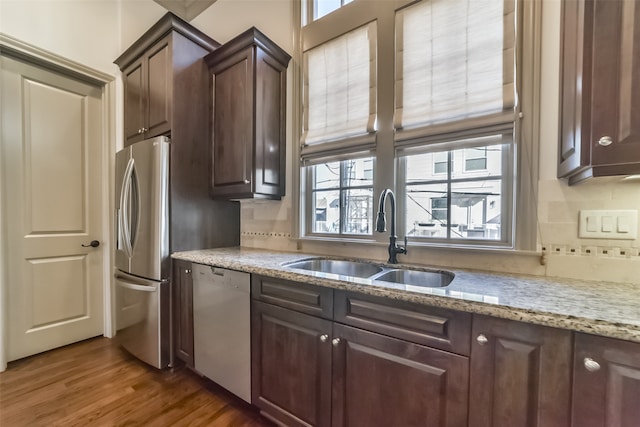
x=52, y=165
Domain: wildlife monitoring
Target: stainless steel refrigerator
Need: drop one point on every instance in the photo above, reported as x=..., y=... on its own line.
x=163, y=205
x=143, y=293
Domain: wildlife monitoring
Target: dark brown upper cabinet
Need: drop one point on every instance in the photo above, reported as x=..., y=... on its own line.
x=600, y=91
x=248, y=83
x=161, y=72
x=166, y=92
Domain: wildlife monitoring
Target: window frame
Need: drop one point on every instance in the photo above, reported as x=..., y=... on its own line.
x=506, y=193
x=524, y=170
x=342, y=189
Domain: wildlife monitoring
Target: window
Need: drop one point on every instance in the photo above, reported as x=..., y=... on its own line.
x=342, y=197
x=321, y=8
x=440, y=162
x=458, y=205
x=475, y=159
x=455, y=87
x=427, y=91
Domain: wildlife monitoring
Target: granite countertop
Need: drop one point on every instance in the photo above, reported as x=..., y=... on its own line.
x=601, y=308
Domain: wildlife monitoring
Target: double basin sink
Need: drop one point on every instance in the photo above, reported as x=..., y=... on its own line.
x=365, y=270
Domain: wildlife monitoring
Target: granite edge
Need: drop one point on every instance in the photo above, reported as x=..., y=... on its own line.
x=601, y=327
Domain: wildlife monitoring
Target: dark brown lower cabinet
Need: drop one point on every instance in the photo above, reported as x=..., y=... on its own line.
x=606, y=382
x=183, y=311
x=291, y=366
x=308, y=371
x=383, y=381
x=520, y=375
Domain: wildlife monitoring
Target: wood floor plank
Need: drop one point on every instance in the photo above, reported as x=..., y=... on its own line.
x=96, y=383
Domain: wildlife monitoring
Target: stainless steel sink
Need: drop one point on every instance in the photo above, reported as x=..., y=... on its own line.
x=340, y=267
x=428, y=279
x=365, y=270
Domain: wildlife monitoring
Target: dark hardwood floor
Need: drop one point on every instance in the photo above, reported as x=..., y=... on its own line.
x=95, y=383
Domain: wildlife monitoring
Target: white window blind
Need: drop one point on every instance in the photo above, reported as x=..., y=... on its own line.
x=454, y=66
x=340, y=93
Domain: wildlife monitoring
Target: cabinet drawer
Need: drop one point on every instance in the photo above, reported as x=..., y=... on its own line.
x=435, y=327
x=310, y=299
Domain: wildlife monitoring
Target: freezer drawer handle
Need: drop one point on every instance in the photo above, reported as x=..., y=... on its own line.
x=135, y=287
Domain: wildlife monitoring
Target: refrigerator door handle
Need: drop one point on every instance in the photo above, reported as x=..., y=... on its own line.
x=135, y=214
x=121, y=276
x=125, y=214
x=135, y=287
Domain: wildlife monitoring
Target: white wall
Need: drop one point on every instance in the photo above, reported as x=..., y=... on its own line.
x=85, y=31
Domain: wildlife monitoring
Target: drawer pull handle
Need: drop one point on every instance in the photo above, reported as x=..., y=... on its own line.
x=605, y=141
x=591, y=365
x=324, y=337
x=482, y=339
x=335, y=342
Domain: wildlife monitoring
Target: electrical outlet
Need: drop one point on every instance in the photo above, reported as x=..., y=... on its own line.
x=608, y=224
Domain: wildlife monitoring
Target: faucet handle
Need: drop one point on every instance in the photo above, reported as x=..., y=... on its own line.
x=405, y=245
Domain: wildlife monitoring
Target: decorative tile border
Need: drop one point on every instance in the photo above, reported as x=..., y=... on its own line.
x=591, y=250
x=265, y=234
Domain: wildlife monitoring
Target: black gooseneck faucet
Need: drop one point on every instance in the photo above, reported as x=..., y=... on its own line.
x=381, y=226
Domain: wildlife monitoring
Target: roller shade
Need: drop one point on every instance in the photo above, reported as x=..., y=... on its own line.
x=340, y=93
x=454, y=68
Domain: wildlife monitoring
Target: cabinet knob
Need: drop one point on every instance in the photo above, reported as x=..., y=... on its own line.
x=335, y=342
x=591, y=365
x=187, y=271
x=605, y=140
x=482, y=339
x=324, y=337
x=145, y=130
x=140, y=131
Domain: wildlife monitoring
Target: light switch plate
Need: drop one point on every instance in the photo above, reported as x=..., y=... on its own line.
x=608, y=224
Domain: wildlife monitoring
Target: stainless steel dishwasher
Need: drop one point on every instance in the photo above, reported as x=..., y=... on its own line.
x=222, y=327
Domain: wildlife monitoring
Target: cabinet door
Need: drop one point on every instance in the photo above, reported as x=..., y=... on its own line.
x=159, y=87
x=183, y=311
x=520, y=374
x=233, y=125
x=290, y=365
x=600, y=105
x=134, y=102
x=383, y=381
x=270, y=121
x=616, y=83
x=606, y=384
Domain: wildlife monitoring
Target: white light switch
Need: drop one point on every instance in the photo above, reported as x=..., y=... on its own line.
x=623, y=224
x=608, y=224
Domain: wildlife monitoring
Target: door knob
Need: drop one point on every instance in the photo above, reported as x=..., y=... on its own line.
x=93, y=244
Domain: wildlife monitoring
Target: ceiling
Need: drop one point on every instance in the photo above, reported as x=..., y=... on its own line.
x=186, y=9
